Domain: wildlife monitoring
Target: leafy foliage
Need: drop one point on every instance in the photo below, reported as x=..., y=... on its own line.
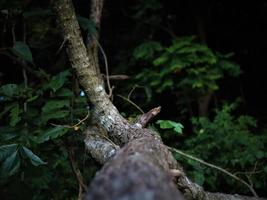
x=230, y=142
x=27, y=114
x=7, y=150
x=22, y=50
x=168, y=124
x=185, y=65
x=147, y=50
x=87, y=24
x=37, y=113
x=24, y=130
x=35, y=160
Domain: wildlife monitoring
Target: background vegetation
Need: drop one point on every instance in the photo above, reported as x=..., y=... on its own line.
x=202, y=62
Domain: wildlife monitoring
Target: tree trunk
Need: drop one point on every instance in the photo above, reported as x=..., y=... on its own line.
x=203, y=104
x=142, y=168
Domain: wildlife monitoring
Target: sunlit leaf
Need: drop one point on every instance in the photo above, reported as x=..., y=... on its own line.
x=168, y=124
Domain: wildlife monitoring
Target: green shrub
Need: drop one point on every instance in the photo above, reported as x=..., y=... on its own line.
x=232, y=143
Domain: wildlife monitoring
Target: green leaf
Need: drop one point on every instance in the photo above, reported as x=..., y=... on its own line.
x=59, y=80
x=148, y=92
x=166, y=84
x=87, y=24
x=58, y=114
x=6, y=109
x=52, y=134
x=164, y=124
x=197, y=84
x=14, y=115
x=146, y=50
x=55, y=105
x=10, y=165
x=198, y=177
x=7, y=150
x=64, y=92
x=231, y=68
x=35, y=160
x=168, y=124
x=8, y=132
x=32, y=98
x=160, y=60
x=259, y=154
x=23, y=51
x=9, y=90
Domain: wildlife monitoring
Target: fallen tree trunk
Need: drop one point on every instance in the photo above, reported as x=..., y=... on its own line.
x=142, y=168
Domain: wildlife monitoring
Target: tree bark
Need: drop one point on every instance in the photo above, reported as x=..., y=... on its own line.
x=142, y=168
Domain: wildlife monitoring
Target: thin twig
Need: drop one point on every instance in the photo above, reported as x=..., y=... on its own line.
x=110, y=89
x=131, y=102
x=130, y=93
x=25, y=79
x=61, y=46
x=24, y=32
x=13, y=33
x=249, y=173
x=117, y=77
x=254, y=171
x=76, y=170
x=215, y=167
x=134, y=87
x=75, y=126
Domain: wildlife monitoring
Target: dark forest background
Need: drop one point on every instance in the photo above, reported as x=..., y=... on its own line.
x=203, y=62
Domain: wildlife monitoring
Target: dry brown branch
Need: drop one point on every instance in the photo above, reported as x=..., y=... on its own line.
x=75, y=126
x=147, y=117
x=76, y=171
x=117, y=77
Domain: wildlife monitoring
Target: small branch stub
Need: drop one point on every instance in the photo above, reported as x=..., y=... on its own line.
x=147, y=117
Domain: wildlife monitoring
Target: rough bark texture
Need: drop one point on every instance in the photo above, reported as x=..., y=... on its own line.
x=98, y=145
x=91, y=44
x=143, y=168
x=139, y=171
x=105, y=112
x=154, y=157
